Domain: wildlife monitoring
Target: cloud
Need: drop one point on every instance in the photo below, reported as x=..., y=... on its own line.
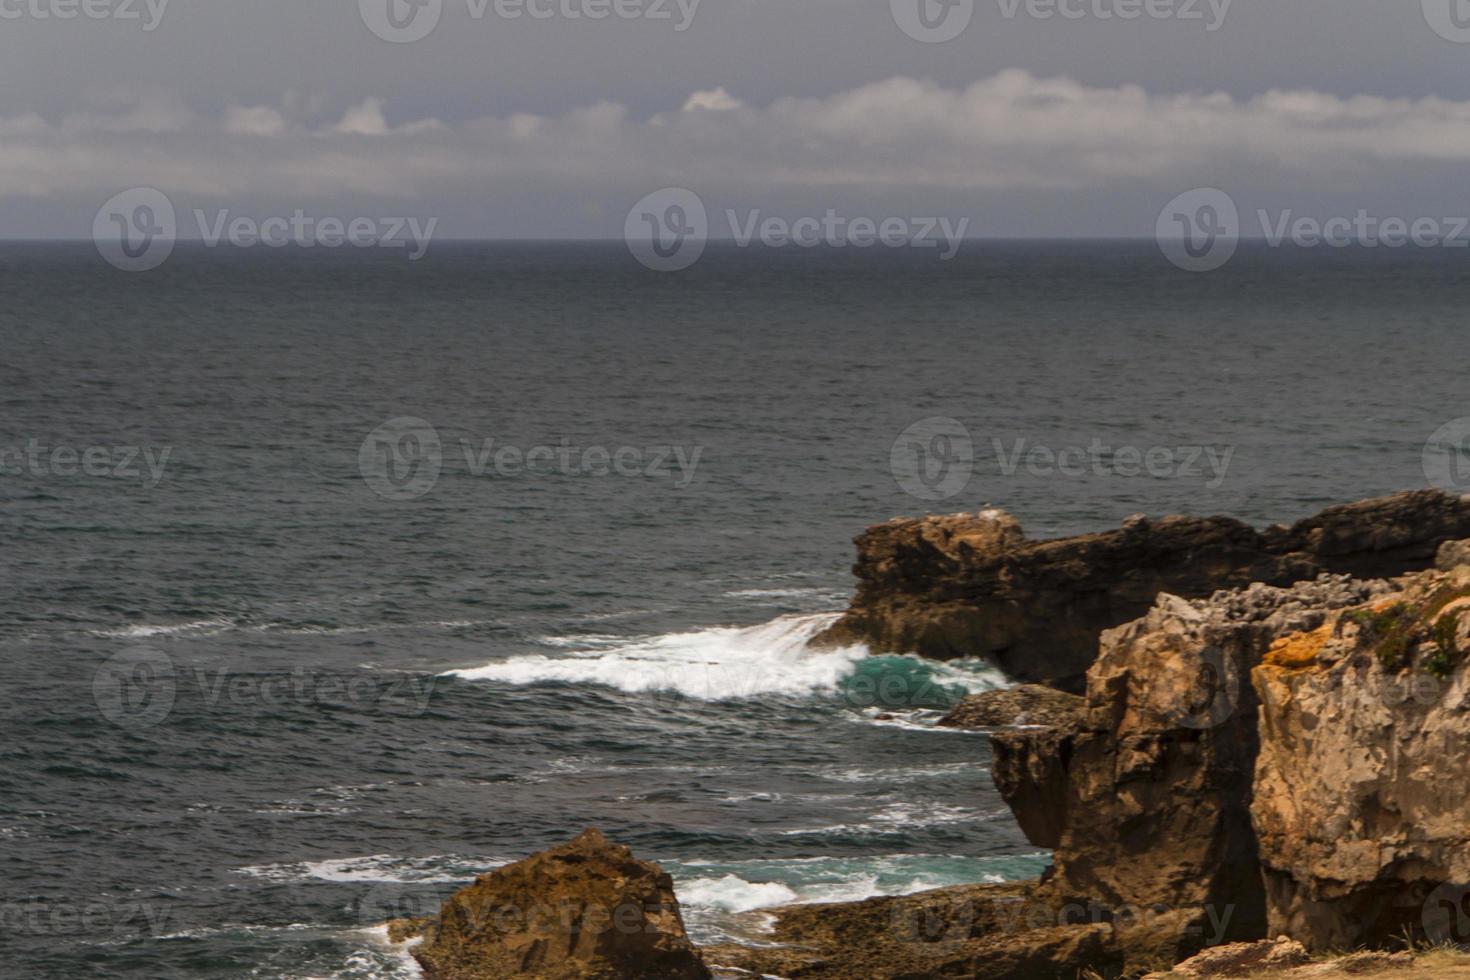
x=364, y=120
x=254, y=121
x=1012, y=133
x=716, y=99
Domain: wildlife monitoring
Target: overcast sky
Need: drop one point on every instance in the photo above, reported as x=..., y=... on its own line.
x=554, y=126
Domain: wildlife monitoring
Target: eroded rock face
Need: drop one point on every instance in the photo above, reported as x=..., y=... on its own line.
x=968, y=585
x=587, y=910
x=1361, y=795
x=1145, y=799
x=1030, y=769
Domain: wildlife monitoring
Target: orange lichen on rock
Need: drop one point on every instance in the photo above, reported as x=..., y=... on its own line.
x=1298, y=651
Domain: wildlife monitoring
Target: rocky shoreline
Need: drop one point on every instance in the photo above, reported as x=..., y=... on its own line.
x=973, y=585
x=1257, y=734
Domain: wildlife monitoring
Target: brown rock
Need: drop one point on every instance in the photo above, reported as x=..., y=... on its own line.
x=1244, y=959
x=1357, y=964
x=1027, y=705
x=1030, y=769
x=968, y=585
x=1452, y=554
x=1145, y=797
x=587, y=910
x=992, y=932
x=1360, y=800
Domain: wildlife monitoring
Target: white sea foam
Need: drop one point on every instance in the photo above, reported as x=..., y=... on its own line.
x=794, y=593
x=899, y=774
x=210, y=627
x=899, y=818
x=384, y=960
x=436, y=869
x=734, y=894
x=722, y=663
x=838, y=880
x=141, y=630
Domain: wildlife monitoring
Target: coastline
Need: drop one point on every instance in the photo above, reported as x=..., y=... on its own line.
x=1177, y=794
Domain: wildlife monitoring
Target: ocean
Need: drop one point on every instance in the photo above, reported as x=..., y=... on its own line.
x=331, y=580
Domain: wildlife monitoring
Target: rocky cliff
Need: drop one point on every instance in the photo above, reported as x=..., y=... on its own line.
x=1362, y=785
x=968, y=585
x=1145, y=797
x=1267, y=761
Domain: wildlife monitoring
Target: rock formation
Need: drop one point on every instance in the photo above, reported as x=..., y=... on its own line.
x=972, y=585
x=1267, y=761
x=587, y=910
x=1027, y=704
x=983, y=932
x=1362, y=785
x=1145, y=798
x=1260, y=760
x=1243, y=959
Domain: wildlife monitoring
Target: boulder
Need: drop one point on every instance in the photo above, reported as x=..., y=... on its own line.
x=972, y=585
x=586, y=910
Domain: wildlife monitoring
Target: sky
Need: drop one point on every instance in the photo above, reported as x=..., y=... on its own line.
x=551, y=118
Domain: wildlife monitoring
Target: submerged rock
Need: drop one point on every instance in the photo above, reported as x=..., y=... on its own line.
x=972, y=585
x=587, y=910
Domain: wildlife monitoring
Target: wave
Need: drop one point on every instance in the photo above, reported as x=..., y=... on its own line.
x=733, y=894
x=434, y=869
x=142, y=630
x=900, y=818
x=717, y=664
x=383, y=959
x=368, y=952
x=827, y=595
x=898, y=774
x=719, y=897
x=210, y=627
